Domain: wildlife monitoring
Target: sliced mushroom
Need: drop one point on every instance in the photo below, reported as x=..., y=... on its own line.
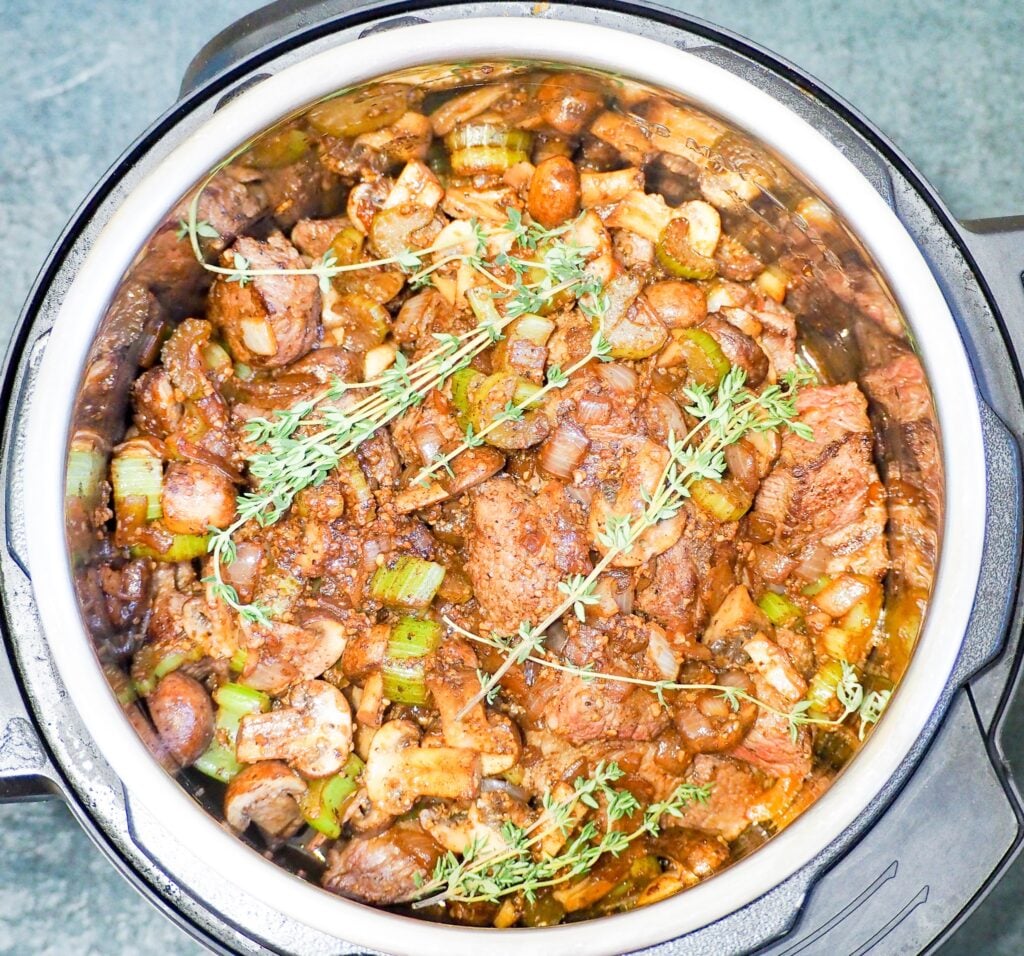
x=266, y=794
x=195, y=497
x=183, y=716
x=399, y=771
x=313, y=732
x=453, y=682
x=640, y=478
x=282, y=654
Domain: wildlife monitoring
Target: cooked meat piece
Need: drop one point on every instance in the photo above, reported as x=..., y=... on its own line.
x=313, y=237
x=825, y=491
x=736, y=791
x=769, y=745
x=739, y=348
x=272, y=320
x=157, y=410
x=594, y=710
x=692, y=577
x=196, y=497
x=519, y=547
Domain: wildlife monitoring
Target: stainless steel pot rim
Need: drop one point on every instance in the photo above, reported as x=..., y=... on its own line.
x=736, y=100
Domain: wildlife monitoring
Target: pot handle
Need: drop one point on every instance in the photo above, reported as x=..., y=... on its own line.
x=26, y=772
x=269, y=24
x=997, y=246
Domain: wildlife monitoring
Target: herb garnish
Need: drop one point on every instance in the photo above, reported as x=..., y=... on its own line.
x=487, y=875
x=723, y=418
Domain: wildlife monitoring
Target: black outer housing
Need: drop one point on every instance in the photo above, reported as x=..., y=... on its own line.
x=917, y=862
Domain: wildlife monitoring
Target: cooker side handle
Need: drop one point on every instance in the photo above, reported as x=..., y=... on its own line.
x=997, y=246
x=267, y=25
x=26, y=772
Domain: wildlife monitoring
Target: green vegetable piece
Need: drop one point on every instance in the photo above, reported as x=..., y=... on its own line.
x=404, y=667
x=704, y=356
x=138, y=476
x=816, y=587
x=234, y=701
x=85, y=471
x=781, y=611
x=410, y=583
x=184, y=547
x=326, y=799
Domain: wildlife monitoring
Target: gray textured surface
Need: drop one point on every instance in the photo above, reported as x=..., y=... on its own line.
x=81, y=78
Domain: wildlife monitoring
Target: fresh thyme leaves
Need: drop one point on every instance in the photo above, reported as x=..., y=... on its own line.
x=723, y=418
x=512, y=412
x=849, y=691
x=295, y=461
x=486, y=873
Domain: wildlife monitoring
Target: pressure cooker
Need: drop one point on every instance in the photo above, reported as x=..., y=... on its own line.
x=887, y=859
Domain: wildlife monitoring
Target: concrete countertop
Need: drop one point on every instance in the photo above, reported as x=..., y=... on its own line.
x=82, y=78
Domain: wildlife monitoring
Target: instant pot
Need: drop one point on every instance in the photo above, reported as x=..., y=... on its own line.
x=921, y=824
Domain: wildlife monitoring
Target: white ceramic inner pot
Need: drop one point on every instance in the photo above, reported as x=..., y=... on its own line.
x=706, y=85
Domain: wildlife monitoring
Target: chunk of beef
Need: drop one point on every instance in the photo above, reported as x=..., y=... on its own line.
x=382, y=869
x=692, y=577
x=610, y=710
x=825, y=491
x=272, y=320
x=736, y=791
x=519, y=547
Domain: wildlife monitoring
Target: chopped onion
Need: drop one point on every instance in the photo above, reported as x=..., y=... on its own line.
x=428, y=440
x=662, y=655
x=837, y=597
x=619, y=378
x=258, y=336
x=666, y=416
x=594, y=410
x=242, y=571
x=814, y=565
x=500, y=785
x=563, y=450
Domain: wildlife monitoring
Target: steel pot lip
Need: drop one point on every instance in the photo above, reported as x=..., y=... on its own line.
x=737, y=101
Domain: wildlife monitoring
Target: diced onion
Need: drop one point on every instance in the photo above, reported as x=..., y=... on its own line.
x=619, y=378
x=841, y=594
x=242, y=571
x=428, y=440
x=594, y=410
x=563, y=450
x=258, y=336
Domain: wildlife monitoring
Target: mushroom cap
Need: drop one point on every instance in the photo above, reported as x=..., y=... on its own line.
x=313, y=732
x=266, y=794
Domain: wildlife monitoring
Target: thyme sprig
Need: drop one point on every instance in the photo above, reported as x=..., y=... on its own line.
x=486, y=874
x=849, y=690
x=723, y=418
x=556, y=378
x=292, y=461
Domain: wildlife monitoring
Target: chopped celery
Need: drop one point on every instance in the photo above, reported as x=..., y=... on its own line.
x=821, y=691
x=409, y=583
x=85, y=471
x=152, y=662
x=325, y=800
x=781, y=611
x=816, y=586
x=215, y=356
x=705, y=359
x=678, y=258
x=721, y=499
x=138, y=476
x=184, y=547
x=234, y=701
x=404, y=663
x=464, y=383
